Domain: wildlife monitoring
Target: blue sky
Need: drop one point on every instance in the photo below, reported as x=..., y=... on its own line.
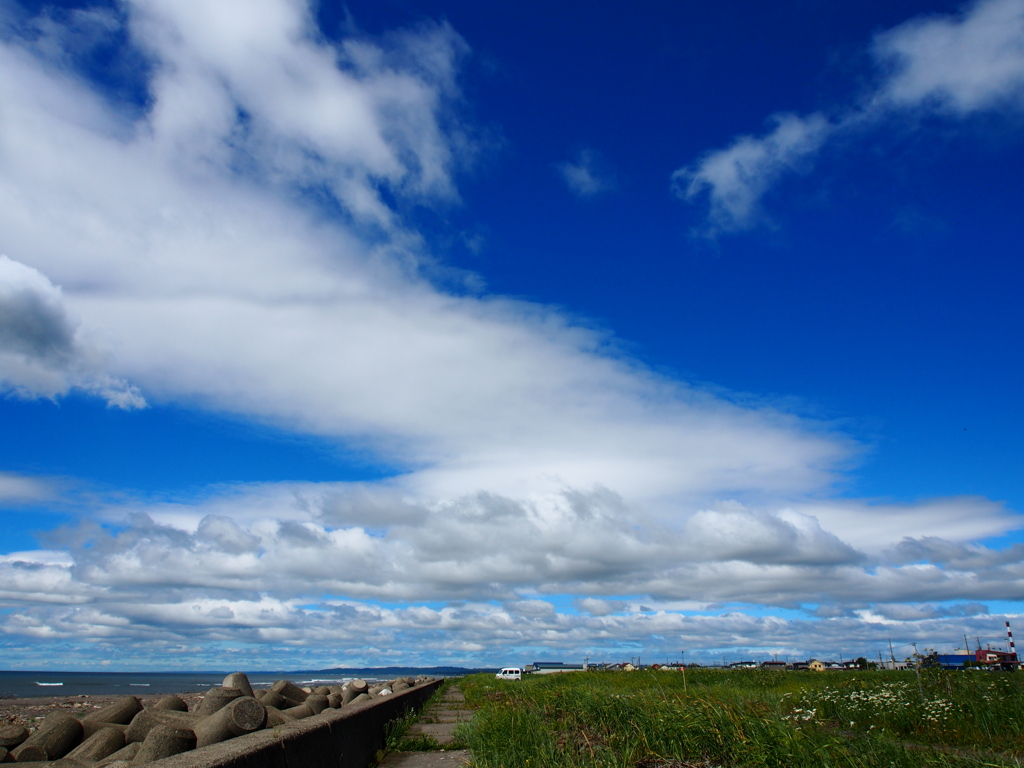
x=412, y=332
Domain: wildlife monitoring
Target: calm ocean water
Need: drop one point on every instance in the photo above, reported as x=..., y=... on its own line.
x=25, y=684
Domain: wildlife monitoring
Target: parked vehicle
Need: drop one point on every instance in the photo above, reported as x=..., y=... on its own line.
x=510, y=673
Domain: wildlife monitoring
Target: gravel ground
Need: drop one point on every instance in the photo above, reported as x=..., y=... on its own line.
x=28, y=712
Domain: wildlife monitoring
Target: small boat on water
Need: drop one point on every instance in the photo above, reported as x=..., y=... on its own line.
x=49, y=684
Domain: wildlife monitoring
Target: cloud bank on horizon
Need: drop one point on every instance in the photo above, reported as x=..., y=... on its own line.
x=240, y=242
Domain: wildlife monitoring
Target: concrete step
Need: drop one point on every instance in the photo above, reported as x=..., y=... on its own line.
x=449, y=759
x=440, y=732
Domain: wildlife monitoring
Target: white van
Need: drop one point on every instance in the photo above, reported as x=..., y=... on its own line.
x=510, y=673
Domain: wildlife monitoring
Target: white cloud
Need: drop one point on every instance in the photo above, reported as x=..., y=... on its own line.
x=736, y=178
x=20, y=488
x=588, y=175
x=194, y=259
x=956, y=65
x=40, y=354
x=289, y=542
x=202, y=281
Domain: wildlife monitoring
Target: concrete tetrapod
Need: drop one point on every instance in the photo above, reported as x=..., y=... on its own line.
x=241, y=716
x=276, y=717
x=148, y=719
x=354, y=688
x=12, y=735
x=240, y=681
x=164, y=741
x=289, y=690
x=89, y=727
x=105, y=742
x=58, y=734
x=120, y=711
x=317, y=702
x=298, y=712
x=122, y=755
x=275, y=699
x=171, y=702
x=217, y=698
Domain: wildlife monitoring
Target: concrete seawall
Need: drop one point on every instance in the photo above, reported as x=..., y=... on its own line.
x=336, y=738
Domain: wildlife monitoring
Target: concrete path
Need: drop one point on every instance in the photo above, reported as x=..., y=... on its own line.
x=451, y=759
x=437, y=721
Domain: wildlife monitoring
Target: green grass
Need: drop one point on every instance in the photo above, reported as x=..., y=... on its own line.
x=746, y=718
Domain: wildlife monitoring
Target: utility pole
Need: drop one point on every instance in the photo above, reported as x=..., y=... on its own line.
x=891, y=654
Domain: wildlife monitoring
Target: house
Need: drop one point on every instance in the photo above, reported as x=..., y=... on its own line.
x=780, y=665
x=988, y=656
x=816, y=666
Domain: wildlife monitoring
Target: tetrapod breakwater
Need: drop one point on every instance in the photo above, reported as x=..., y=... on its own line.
x=284, y=726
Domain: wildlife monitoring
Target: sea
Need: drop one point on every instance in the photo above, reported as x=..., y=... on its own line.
x=19, y=685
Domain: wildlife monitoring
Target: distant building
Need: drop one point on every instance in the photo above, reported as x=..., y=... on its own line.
x=988, y=656
x=890, y=664
x=552, y=667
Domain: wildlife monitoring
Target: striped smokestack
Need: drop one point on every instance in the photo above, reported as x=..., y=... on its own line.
x=1009, y=635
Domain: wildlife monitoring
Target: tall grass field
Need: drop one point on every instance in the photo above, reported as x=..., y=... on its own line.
x=747, y=718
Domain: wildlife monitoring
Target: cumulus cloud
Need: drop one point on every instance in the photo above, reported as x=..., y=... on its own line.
x=40, y=355
x=588, y=175
x=954, y=65
x=255, y=563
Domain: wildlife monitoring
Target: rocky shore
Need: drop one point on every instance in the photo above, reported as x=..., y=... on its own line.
x=117, y=731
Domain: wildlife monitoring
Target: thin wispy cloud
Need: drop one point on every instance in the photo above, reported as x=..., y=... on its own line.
x=588, y=175
x=952, y=65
